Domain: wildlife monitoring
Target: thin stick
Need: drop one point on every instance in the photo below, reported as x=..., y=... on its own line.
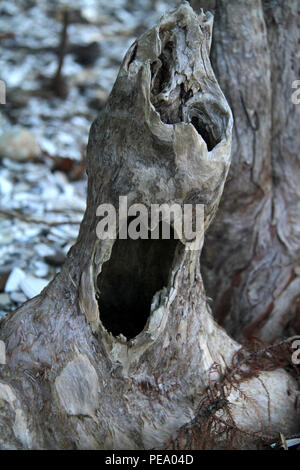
x=31, y=220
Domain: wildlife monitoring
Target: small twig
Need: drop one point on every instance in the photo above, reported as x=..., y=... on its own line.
x=63, y=42
x=31, y=220
x=58, y=82
x=283, y=442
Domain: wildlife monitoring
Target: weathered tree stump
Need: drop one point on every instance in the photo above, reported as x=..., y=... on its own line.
x=120, y=351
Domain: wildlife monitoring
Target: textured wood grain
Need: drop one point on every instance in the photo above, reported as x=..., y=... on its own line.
x=254, y=280
x=70, y=382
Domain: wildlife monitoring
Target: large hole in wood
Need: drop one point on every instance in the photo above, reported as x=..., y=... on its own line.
x=136, y=270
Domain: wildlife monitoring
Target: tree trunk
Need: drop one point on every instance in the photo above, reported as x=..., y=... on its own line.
x=254, y=281
x=120, y=351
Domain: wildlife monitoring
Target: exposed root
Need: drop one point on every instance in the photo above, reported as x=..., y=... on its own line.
x=213, y=426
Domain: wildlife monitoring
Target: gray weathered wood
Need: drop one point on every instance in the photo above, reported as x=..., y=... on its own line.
x=254, y=281
x=164, y=136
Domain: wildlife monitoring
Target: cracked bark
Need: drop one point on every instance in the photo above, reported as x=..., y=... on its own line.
x=77, y=374
x=254, y=281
